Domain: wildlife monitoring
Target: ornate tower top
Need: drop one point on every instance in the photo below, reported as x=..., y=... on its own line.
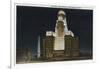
x=62, y=18
x=61, y=15
x=61, y=28
x=61, y=12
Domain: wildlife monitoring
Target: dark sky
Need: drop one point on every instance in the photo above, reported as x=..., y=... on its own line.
x=35, y=21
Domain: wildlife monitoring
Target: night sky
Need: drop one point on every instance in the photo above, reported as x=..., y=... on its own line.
x=35, y=21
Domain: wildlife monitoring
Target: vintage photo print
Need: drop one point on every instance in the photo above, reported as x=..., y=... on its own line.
x=45, y=34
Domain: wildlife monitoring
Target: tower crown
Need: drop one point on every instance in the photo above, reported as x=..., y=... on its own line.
x=61, y=12
x=61, y=15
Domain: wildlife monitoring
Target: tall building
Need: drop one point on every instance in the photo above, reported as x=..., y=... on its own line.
x=61, y=44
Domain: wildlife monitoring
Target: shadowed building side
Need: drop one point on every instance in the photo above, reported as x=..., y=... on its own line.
x=71, y=46
x=47, y=50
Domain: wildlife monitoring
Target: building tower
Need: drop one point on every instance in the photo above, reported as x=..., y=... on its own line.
x=60, y=44
x=61, y=30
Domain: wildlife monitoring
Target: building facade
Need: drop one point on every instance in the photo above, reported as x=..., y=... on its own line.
x=61, y=44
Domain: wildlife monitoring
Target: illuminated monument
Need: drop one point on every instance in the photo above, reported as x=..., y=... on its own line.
x=61, y=44
x=61, y=30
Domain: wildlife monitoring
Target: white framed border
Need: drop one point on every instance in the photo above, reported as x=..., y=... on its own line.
x=13, y=64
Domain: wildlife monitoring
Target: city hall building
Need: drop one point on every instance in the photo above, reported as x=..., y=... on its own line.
x=61, y=44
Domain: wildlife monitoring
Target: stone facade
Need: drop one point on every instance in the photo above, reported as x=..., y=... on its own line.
x=60, y=44
x=71, y=48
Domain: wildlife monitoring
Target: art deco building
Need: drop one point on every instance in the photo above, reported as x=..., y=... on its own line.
x=61, y=44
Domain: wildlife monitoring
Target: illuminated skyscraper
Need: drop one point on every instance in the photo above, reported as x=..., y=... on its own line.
x=60, y=44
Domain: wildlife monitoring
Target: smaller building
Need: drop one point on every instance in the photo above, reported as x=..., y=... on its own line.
x=23, y=55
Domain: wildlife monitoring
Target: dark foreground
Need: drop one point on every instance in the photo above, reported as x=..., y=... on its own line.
x=55, y=59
